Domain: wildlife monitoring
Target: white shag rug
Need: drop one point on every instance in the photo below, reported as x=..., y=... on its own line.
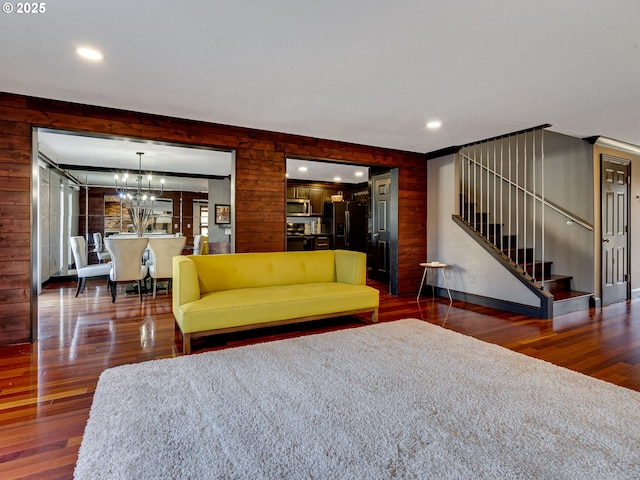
x=404, y=399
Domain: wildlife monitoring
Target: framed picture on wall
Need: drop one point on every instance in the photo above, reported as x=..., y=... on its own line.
x=222, y=214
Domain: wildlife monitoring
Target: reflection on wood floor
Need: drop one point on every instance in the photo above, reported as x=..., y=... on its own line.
x=46, y=388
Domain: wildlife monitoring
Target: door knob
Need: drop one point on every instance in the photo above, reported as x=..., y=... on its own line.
x=605, y=239
x=376, y=235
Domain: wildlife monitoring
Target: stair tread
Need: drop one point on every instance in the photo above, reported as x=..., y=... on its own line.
x=555, y=283
x=554, y=277
x=569, y=294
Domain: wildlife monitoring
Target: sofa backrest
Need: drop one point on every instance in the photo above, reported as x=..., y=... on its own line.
x=246, y=270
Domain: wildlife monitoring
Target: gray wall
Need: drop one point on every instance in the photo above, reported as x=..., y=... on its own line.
x=569, y=184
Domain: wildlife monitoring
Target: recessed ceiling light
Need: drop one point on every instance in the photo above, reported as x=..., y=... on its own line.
x=359, y=174
x=434, y=124
x=302, y=169
x=90, y=53
x=337, y=179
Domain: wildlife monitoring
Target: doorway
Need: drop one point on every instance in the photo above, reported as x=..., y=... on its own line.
x=384, y=227
x=78, y=188
x=327, y=205
x=615, y=174
x=201, y=217
x=73, y=174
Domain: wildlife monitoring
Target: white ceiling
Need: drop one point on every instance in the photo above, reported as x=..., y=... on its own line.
x=364, y=72
x=81, y=155
x=119, y=155
x=300, y=169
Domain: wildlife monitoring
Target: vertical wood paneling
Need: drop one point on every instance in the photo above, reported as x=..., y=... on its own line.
x=260, y=200
x=15, y=187
x=412, y=220
x=260, y=188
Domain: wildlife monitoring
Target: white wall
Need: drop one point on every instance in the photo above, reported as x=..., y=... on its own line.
x=472, y=269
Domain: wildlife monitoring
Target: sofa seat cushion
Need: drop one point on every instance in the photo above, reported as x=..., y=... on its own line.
x=233, y=308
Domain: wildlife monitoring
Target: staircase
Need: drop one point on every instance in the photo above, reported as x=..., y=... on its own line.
x=521, y=259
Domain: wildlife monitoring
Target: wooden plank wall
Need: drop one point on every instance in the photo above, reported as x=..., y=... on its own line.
x=260, y=188
x=15, y=215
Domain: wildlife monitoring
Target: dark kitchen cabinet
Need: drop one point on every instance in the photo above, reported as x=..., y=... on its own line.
x=316, y=195
x=296, y=192
x=322, y=242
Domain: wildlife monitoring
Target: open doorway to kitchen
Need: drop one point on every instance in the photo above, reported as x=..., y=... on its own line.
x=329, y=206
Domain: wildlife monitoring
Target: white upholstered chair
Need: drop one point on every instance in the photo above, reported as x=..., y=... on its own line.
x=162, y=252
x=126, y=261
x=83, y=269
x=197, y=244
x=98, y=248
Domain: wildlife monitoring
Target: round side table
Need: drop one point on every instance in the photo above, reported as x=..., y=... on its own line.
x=433, y=267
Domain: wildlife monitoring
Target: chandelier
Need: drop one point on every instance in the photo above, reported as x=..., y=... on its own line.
x=140, y=193
x=138, y=199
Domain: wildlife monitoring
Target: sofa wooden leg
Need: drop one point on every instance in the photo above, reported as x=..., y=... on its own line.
x=374, y=315
x=186, y=343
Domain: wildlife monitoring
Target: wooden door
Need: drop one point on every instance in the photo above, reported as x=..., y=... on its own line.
x=615, y=229
x=381, y=205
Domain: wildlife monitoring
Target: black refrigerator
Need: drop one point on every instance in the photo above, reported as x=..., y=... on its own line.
x=346, y=224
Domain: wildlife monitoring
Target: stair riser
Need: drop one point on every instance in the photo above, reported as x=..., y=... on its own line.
x=554, y=286
x=562, y=307
x=538, y=270
x=508, y=242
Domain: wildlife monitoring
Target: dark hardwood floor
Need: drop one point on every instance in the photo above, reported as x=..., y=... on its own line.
x=46, y=388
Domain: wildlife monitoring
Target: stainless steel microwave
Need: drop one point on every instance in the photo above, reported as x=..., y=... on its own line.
x=297, y=207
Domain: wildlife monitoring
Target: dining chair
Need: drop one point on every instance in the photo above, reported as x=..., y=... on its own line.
x=197, y=244
x=98, y=248
x=83, y=269
x=126, y=261
x=162, y=252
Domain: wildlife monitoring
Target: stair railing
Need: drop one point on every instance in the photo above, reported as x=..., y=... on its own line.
x=503, y=198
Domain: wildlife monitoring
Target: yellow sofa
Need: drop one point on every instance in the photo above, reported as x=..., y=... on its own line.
x=222, y=293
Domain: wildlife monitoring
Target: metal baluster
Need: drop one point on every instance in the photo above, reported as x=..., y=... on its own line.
x=495, y=216
x=510, y=200
x=481, y=200
x=527, y=260
x=517, y=205
x=542, y=194
x=533, y=196
x=501, y=195
x=487, y=196
x=474, y=190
